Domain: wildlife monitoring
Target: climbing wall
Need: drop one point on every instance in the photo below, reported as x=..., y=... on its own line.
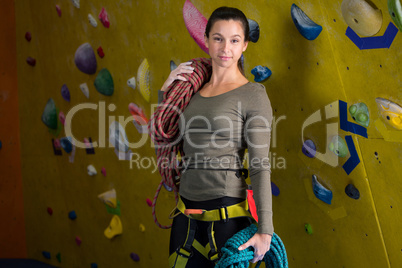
x=88, y=75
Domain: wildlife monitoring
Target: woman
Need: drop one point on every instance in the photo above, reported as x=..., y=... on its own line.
x=226, y=116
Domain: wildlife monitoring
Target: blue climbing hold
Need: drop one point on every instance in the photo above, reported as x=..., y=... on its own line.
x=261, y=73
x=66, y=144
x=46, y=254
x=275, y=189
x=309, y=148
x=1, y=144
x=72, y=215
x=94, y=265
x=352, y=191
x=307, y=28
x=321, y=192
x=254, y=30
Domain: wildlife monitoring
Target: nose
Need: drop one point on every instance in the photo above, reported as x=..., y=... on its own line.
x=226, y=46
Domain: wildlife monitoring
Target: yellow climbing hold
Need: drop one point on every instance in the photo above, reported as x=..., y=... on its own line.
x=115, y=227
x=109, y=198
x=143, y=80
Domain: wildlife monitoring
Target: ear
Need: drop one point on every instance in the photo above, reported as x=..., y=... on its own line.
x=206, y=40
x=245, y=46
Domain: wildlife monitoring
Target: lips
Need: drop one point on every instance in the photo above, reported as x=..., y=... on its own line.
x=224, y=58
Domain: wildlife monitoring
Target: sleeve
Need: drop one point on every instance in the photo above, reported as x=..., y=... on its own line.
x=258, y=135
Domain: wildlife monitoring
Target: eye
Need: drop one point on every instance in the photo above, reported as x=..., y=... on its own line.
x=218, y=39
x=235, y=41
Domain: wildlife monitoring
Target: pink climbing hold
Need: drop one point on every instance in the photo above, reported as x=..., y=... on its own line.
x=78, y=240
x=28, y=36
x=58, y=9
x=103, y=171
x=62, y=117
x=57, y=143
x=100, y=52
x=31, y=61
x=104, y=18
x=50, y=211
x=149, y=202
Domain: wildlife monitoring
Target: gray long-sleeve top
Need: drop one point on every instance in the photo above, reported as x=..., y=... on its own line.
x=216, y=131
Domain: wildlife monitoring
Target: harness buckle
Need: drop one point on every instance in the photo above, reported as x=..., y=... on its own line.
x=214, y=256
x=184, y=252
x=224, y=214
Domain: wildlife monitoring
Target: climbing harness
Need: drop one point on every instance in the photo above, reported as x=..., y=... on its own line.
x=182, y=254
x=231, y=257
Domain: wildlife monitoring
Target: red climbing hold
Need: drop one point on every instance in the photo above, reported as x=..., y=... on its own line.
x=149, y=202
x=100, y=52
x=58, y=9
x=104, y=18
x=28, y=36
x=50, y=211
x=31, y=61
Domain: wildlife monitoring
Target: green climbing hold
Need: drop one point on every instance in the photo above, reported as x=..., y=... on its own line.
x=338, y=146
x=104, y=82
x=308, y=228
x=360, y=113
x=50, y=114
x=58, y=256
x=395, y=11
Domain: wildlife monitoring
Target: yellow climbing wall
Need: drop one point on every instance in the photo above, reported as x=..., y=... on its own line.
x=307, y=77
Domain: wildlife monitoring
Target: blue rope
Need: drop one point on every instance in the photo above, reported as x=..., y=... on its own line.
x=233, y=258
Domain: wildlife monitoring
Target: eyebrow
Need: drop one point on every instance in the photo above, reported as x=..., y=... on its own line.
x=236, y=35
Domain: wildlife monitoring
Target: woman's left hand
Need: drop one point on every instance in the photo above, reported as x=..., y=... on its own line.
x=261, y=244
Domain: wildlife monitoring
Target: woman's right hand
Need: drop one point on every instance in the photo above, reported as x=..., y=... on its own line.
x=183, y=68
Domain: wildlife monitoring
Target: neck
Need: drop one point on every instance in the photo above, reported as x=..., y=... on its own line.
x=225, y=75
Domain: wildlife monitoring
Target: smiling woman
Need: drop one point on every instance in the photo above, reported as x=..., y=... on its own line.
x=226, y=115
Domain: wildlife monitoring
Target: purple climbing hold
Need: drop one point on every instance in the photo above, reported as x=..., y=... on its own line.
x=46, y=254
x=85, y=59
x=134, y=256
x=275, y=189
x=65, y=92
x=309, y=148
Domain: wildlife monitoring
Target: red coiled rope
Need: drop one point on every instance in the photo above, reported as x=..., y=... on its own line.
x=163, y=127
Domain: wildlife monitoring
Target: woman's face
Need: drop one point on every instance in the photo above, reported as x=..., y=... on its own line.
x=226, y=42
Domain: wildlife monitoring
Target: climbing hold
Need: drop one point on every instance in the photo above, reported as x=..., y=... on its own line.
x=261, y=73
x=50, y=211
x=362, y=16
x=138, y=114
x=94, y=265
x=78, y=240
x=103, y=171
x=104, y=82
x=58, y=9
x=390, y=112
x=57, y=143
x=308, y=228
x=72, y=215
x=142, y=227
x=195, y=23
x=104, y=18
x=49, y=115
x=84, y=88
x=169, y=189
x=143, y=80
x=88, y=146
x=65, y=92
x=134, y=256
x=28, y=36
x=100, y=52
x=91, y=170
x=131, y=82
x=254, y=30
x=76, y=3
x=306, y=27
x=109, y=198
x=62, y=117
x=118, y=137
x=149, y=202
x=66, y=144
x=85, y=59
x=92, y=20
x=320, y=191
x=360, y=113
x=172, y=65
x=395, y=10
x=352, y=191
x=58, y=257
x=275, y=189
x=309, y=148
x=31, y=61
x=115, y=227
x=338, y=146
x=46, y=254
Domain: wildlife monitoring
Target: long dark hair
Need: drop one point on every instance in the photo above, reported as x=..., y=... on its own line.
x=229, y=13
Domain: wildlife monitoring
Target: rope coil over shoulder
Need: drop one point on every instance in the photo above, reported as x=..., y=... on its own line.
x=233, y=258
x=163, y=127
